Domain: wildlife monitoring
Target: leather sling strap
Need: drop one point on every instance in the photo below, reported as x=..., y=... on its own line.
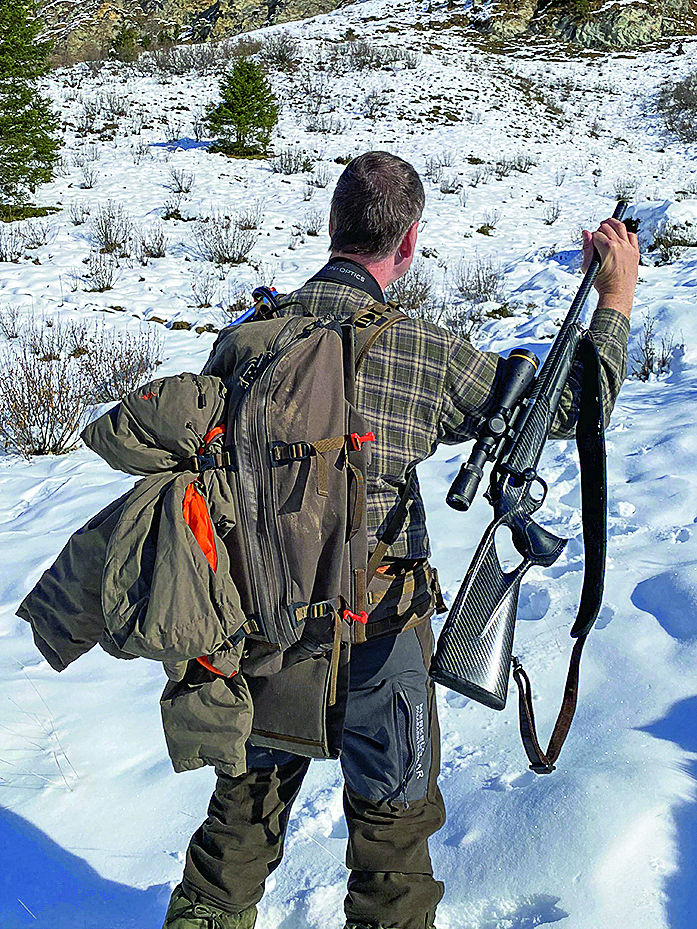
x=590, y=440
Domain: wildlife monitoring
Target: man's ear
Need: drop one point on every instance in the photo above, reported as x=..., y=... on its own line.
x=408, y=245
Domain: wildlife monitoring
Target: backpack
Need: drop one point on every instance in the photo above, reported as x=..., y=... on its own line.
x=295, y=452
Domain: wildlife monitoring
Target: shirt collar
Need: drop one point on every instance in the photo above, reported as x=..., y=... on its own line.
x=349, y=272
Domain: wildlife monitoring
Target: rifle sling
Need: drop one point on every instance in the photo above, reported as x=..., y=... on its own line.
x=590, y=440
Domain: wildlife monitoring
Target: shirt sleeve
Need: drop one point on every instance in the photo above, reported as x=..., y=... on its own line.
x=609, y=330
x=468, y=391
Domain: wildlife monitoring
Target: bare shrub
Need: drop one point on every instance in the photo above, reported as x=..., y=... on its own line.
x=180, y=181
x=9, y=321
x=649, y=357
x=503, y=167
x=150, y=243
x=321, y=176
x=450, y=184
x=234, y=302
x=141, y=150
x=45, y=395
x=220, y=239
x=204, y=287
x=326, y=124
x=118, y=362
x=174, y=126
x=676, y=103
x=361, y=55
x=523, y=162
x=292, y=161
x=314, y=222
x=478, y=281
x=112, y=228
x=11, y=242
x=552, y=212
x=671, y=240
x=625, y=188
x=689, y=192
x=480, y=174
x=491, y=218
x=374, y=104
x=102, y=271
x=465, y=320
x=414, y=292
x=171, y=207
x=79, y=212
x=281, y=51
x=37, y=233
x=435, y=164
x=252, y=217
x=89, y=176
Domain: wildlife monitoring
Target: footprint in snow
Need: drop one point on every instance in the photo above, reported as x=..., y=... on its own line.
x=455, y=700
x=512, y=780
x=533, y=602
x=605, y=617
x=527, y=913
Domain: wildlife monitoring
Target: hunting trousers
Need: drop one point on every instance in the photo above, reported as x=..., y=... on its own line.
x=390, y=762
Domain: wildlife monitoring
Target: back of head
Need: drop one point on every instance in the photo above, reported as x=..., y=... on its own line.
x=377, y=199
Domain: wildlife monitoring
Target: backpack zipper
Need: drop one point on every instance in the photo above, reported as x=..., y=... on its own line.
x=269, y=599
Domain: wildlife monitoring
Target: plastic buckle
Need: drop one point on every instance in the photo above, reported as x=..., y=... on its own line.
x=356, y=617
x=358, y=440
x=204, y=462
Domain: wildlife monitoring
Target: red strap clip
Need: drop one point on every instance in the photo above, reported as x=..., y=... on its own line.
x=203, y=660
x=358, y=440
x=209, y=436
x=356, y=617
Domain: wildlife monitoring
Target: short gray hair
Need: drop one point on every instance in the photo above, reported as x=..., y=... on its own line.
x=376, y=200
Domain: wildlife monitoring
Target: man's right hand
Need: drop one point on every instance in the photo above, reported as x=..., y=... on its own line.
x=619, y=251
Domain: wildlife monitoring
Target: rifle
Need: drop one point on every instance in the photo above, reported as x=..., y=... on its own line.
x=474, y=650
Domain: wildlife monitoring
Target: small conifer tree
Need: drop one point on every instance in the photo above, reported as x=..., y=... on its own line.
x=28, y=147
x=247, y=113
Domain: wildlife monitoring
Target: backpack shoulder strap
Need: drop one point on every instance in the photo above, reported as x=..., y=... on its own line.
x=370, y=323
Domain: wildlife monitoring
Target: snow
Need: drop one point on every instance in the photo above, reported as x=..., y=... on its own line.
x=93, y=822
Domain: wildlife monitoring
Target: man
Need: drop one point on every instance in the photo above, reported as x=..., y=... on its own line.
x=419, y=386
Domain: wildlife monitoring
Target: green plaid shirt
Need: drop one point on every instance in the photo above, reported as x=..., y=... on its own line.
x=421, y=386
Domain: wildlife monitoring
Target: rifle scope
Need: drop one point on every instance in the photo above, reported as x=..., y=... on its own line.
x=516, y=380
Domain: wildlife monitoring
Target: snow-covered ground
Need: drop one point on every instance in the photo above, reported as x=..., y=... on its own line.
x=93, y=822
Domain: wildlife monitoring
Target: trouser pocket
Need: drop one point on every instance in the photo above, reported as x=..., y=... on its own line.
x=387, y=741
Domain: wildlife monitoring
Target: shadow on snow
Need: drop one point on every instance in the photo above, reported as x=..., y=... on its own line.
x=58, y=890
x=679, y=726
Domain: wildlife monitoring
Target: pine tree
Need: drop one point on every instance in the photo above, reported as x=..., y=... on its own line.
x=28, y=147
x=247, y=113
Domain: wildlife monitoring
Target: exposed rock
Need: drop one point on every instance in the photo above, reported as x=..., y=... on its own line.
x=89, y=28
x=601, y=24
x=505, y=19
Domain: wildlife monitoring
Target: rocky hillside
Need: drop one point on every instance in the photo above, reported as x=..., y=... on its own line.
x=96, y=28
x=602, y=24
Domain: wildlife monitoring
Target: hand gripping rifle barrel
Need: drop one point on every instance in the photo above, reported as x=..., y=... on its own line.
x=473, y=654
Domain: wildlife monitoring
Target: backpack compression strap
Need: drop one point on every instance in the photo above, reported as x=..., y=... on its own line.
x=590, y=440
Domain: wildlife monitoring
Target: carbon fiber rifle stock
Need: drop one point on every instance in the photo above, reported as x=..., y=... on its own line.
x=473, y=654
